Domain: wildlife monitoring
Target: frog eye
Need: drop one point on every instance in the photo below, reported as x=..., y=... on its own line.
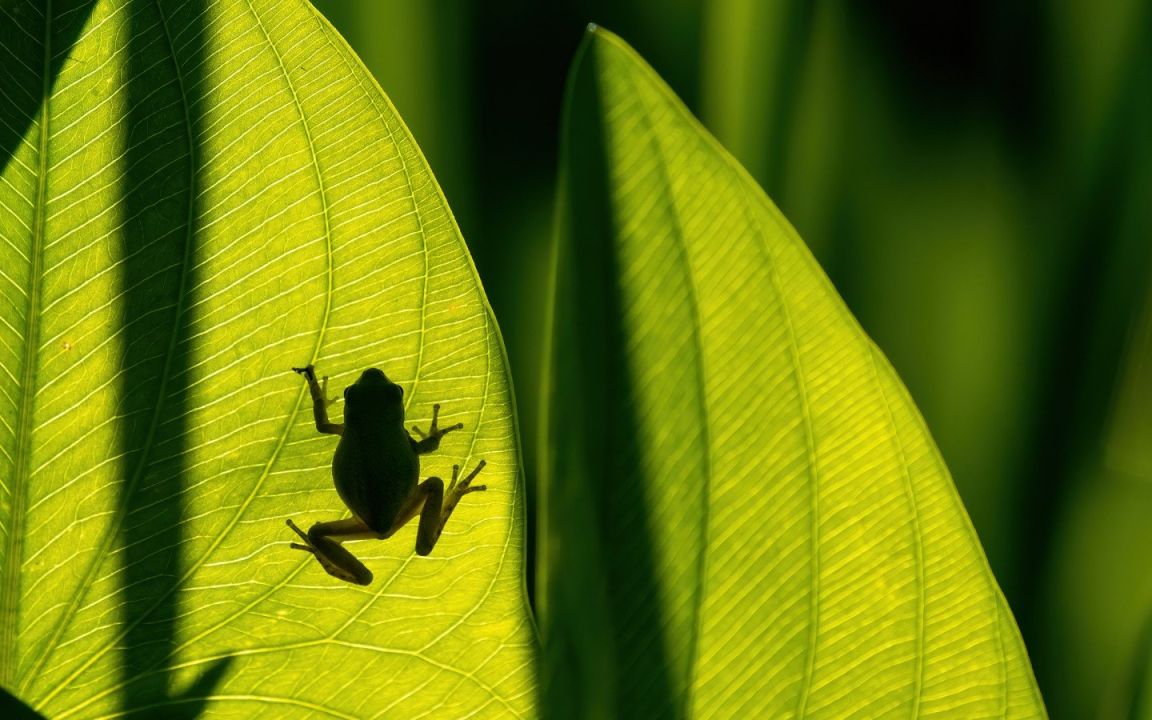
x=346, y=394
x=401, y=391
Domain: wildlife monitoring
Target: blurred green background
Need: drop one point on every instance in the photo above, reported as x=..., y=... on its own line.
x=975, y=178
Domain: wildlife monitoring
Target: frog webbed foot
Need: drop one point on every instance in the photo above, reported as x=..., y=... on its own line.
x=439, y=502
x=457, y=490
x=332, y=556
x=465, y=486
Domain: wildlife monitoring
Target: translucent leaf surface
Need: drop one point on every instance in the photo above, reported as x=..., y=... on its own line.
x=194, y=198
x=744, y=514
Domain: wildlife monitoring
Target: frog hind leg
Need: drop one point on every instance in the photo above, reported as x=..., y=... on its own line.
x=439, y=503
x=324, y=540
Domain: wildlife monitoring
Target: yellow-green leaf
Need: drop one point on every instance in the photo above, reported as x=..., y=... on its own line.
x=744, y=514
x=194, y=197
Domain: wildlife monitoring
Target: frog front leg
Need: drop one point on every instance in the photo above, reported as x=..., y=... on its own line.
x=431, y=440
x=435, y=505
x=320, y=401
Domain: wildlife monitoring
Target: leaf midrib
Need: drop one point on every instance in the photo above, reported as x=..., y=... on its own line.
x=813, y=474
x=917, y=536
x=10, y=584
x=701, y=375
x=814, y=614
x=111, y=531
x=491, y=330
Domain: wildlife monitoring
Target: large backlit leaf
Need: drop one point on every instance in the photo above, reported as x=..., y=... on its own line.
x=196, y=196
x=745, y=515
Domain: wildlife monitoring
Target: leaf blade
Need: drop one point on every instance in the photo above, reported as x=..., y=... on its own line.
x=822, y=534
x=253, y=202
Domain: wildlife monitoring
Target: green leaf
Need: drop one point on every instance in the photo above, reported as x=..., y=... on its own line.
x=1138, y=700
x=743, y=512
x=195, y=197
x=1098, y=620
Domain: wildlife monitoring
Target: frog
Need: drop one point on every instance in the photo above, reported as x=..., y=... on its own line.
x=376, y=470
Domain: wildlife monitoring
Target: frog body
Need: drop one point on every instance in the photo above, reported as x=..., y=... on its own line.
x=376, y=471
x=375, y=467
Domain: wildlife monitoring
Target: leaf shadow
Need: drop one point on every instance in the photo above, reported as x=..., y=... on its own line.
x=26, y=35
x=605, y=651
x=34, y=47
x=13, y=708
x=159, y=196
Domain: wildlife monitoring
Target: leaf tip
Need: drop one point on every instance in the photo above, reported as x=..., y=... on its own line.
x=593, y=31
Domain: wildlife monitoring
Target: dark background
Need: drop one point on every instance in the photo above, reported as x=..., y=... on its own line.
x=975, y=178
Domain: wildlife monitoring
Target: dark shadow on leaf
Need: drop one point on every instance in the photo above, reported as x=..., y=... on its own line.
x=189, y=704
x=604, y=651
x=27, y=32
x=161, y=184
x=11, y=708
